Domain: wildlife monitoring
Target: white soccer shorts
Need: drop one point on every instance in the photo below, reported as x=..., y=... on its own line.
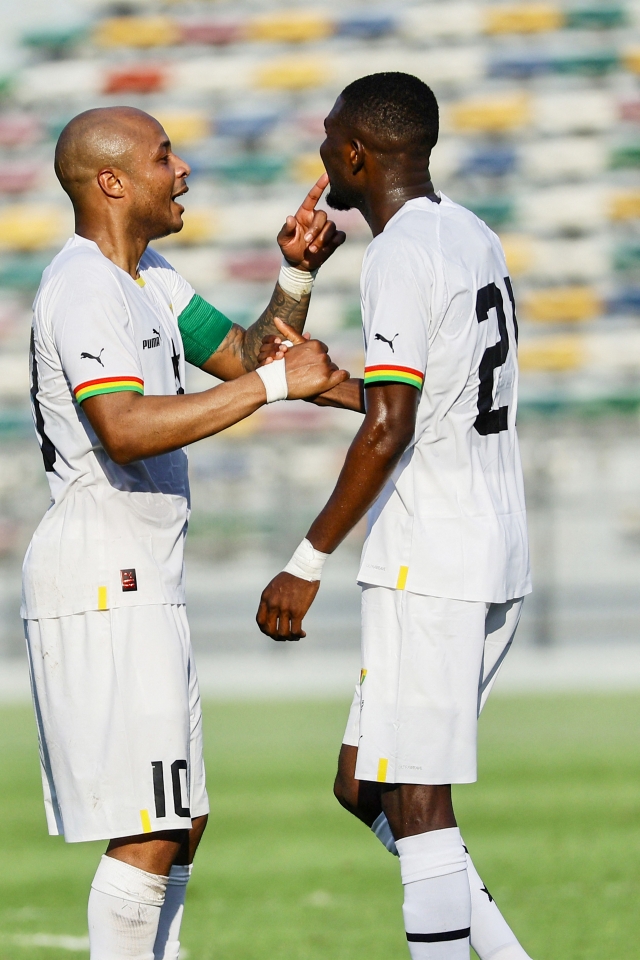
x=119, y=722
x=428, y=666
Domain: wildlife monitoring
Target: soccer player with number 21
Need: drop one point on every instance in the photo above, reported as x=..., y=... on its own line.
x=436, y=465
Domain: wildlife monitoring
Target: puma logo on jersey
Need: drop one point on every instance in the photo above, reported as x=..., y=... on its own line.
x=90, y=356
x=152, y=341
x=379, y=336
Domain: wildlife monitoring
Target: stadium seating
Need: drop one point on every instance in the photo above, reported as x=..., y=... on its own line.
x=539, y=131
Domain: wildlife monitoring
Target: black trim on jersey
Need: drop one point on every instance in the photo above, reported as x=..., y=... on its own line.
x=507, y=283
x=46, y=446
x=439, y=937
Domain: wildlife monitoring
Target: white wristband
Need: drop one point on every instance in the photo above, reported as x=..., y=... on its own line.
x=306, y=562
x=274, y=377
x=296, y=282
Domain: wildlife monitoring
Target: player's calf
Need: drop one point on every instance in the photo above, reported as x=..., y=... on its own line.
x=437, y=901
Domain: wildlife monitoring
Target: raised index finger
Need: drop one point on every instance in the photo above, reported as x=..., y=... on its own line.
x=309, y=202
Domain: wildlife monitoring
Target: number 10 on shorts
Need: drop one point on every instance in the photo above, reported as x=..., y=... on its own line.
x=159, y=793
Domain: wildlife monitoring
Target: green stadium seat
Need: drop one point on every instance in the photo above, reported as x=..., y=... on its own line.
x=495, y=211
x=601, y=16
x=625, y=156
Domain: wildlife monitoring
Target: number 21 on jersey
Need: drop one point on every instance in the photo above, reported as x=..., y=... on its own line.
x=488, y=298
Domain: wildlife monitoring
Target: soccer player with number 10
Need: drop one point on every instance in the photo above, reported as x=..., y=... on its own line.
x=436, y=464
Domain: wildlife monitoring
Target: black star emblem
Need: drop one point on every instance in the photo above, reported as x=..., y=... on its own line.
x=175, y=360
x=484, y=890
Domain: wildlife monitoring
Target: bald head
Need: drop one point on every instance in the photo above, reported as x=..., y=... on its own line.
x=95, y=139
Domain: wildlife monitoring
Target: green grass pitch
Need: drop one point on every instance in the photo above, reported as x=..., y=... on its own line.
x=553, y=825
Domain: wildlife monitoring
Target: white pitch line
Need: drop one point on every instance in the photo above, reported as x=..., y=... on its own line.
x=74, y=944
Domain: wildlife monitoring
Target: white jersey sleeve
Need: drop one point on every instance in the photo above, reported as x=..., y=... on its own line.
x=93, y=334
x=202, y=327
x=395, y=315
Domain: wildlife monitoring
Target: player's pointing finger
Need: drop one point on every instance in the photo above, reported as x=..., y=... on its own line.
x=309, y=202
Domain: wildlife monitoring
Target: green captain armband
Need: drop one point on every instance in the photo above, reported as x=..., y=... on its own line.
x=203, y=328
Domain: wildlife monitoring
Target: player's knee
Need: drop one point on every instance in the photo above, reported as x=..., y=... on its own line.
x=199, y=825
x=345, y=790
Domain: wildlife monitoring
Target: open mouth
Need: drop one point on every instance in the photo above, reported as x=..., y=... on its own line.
x=180, y=193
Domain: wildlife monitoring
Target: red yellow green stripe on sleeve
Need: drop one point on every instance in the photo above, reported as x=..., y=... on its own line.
x=93, y=388
x=389, y=373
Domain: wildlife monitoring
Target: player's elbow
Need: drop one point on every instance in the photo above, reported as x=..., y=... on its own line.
x=392, y=437
x=120, y=451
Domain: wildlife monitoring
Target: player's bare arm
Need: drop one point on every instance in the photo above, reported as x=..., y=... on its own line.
x=307, y=240
x=376, y=449
x=132, y=427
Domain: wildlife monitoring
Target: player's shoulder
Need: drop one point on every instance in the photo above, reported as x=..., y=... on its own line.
x=78, y=267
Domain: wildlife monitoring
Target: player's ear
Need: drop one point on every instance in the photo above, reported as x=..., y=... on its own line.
x=356, y=156
x=111, y=182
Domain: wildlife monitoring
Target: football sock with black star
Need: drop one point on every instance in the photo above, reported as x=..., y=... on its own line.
x=491, y=936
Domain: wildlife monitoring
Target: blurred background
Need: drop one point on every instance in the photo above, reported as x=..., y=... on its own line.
x=540, y=106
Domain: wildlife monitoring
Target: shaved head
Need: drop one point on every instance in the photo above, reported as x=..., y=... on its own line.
x=95, y=139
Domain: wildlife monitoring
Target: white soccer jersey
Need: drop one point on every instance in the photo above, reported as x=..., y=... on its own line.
x=113, y=535
x=439, y=314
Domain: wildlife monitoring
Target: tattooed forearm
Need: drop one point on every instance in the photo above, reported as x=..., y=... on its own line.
x=283, y=305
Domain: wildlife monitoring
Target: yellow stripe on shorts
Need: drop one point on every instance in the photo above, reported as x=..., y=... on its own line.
x=102, y=598
x=402, y=578
x=383, y=763
x=146, y=822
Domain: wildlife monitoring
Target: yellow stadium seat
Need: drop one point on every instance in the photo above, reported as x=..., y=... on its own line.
x=631, y=59
x=523, y=18
x=492, y=115
x=185, y=128
x=137, y=32
x=293, y=73
x=562, y=305
x=200, y=226
x=289, y=27
x=519, y=252
x=24, y=227
x=625, y=205
x=553, y=354
x=307, y=167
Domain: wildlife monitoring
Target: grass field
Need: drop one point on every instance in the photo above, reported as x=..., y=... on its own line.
x=553, y=825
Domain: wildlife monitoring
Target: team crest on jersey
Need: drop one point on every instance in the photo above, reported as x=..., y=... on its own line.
x=152, y=341
x=129, y=580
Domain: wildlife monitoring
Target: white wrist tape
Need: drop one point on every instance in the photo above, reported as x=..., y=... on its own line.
x=296, y=282
x=306, y=562
x=274, y=377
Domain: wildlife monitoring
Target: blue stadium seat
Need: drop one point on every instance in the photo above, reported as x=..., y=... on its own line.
x=521, y=66
x=626, y=301
x=245, y=126
x=366, y=26
x=491, y=161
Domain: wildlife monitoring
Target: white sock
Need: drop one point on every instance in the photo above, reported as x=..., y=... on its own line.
x=437, y=902
x=124, y=910
x=382, y=830
x=491, y=936
x=167, y=945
